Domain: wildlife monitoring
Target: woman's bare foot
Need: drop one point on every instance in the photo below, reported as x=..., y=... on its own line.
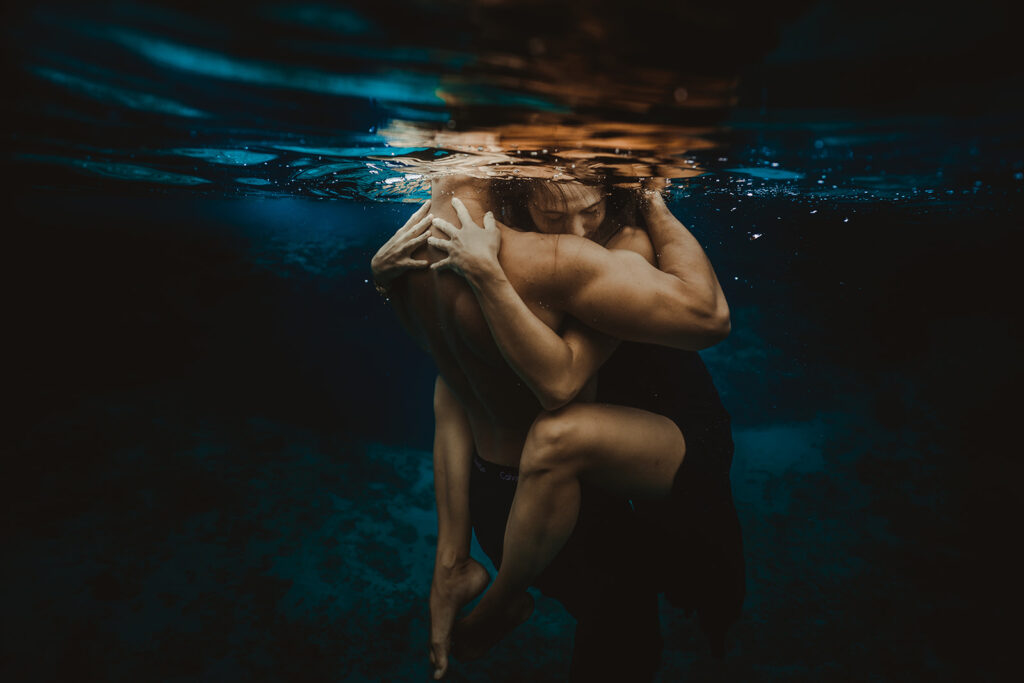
x=451, y=590
x=483, y=628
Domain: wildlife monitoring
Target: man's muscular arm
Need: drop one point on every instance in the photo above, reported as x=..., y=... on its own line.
x=619, y=293
x=616, y=292
x=680, y=254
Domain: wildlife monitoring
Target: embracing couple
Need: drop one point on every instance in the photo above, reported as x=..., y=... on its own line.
x=578, y=432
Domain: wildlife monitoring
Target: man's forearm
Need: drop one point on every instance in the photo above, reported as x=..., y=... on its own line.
x=680, y=254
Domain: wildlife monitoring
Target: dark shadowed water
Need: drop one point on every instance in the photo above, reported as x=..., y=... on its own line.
x=219, y=462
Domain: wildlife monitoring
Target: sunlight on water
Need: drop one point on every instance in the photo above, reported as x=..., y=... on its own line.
x=366, y=118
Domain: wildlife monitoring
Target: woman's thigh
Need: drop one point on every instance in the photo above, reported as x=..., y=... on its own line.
x=625, y=451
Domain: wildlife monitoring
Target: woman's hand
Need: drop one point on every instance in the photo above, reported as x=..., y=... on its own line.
x=472, y=250
x=393, y=259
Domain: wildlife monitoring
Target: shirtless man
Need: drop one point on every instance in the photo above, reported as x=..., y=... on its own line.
x=617, y=292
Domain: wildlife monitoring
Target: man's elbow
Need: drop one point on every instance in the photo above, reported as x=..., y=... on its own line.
x=713, y=325
x=720, y=323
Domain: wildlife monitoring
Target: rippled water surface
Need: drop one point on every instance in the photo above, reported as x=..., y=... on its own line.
x=318, y=102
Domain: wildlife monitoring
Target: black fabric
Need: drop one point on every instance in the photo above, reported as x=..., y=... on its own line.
x=666, y=381
x=693, y=541
x=595, y=576
x=617, y=560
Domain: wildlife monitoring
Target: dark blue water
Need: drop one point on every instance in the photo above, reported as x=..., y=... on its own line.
x=219, y=465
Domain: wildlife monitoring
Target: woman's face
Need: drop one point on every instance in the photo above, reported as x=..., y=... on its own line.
x=567, y=208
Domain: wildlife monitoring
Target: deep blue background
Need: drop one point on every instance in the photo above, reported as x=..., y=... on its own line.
x=222, y=463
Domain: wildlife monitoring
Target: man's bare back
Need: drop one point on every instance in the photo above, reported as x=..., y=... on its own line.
x=443, y=314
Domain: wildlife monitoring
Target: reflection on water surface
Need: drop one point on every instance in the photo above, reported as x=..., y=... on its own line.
x=305, y=100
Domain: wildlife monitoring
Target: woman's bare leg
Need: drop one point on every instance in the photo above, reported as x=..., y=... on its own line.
x=625, y=451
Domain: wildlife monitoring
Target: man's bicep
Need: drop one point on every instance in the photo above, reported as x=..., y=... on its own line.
x=620, y=294
x=610, y=285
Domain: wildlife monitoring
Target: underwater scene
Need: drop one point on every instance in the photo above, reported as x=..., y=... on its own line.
x=219, y=462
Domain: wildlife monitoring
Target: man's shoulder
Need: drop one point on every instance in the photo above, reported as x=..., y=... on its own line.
x=550, y=267
x=633, y=239
x=537, y=252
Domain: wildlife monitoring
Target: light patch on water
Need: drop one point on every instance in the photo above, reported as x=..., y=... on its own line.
x=767, y=173
x=113, y=169
x=129, y=98
x=327, y=169
x=253, y=181
x=863, y=139
x=135, y=172
x=350, y=152
x=227, y=157
x=397, y=87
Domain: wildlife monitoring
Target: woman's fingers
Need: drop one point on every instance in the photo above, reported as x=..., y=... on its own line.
x=445, y=227
x=463, y=213
x=416, y=241
x=489, y=222
x=438, y=243
x=442, y=264
x=417, y=216
x=415, y=263
x=422, y=225
x=420, y=212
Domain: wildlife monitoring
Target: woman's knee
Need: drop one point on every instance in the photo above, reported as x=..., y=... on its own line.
x=555, y=440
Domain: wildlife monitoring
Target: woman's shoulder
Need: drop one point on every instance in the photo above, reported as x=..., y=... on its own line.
x=632, y=238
